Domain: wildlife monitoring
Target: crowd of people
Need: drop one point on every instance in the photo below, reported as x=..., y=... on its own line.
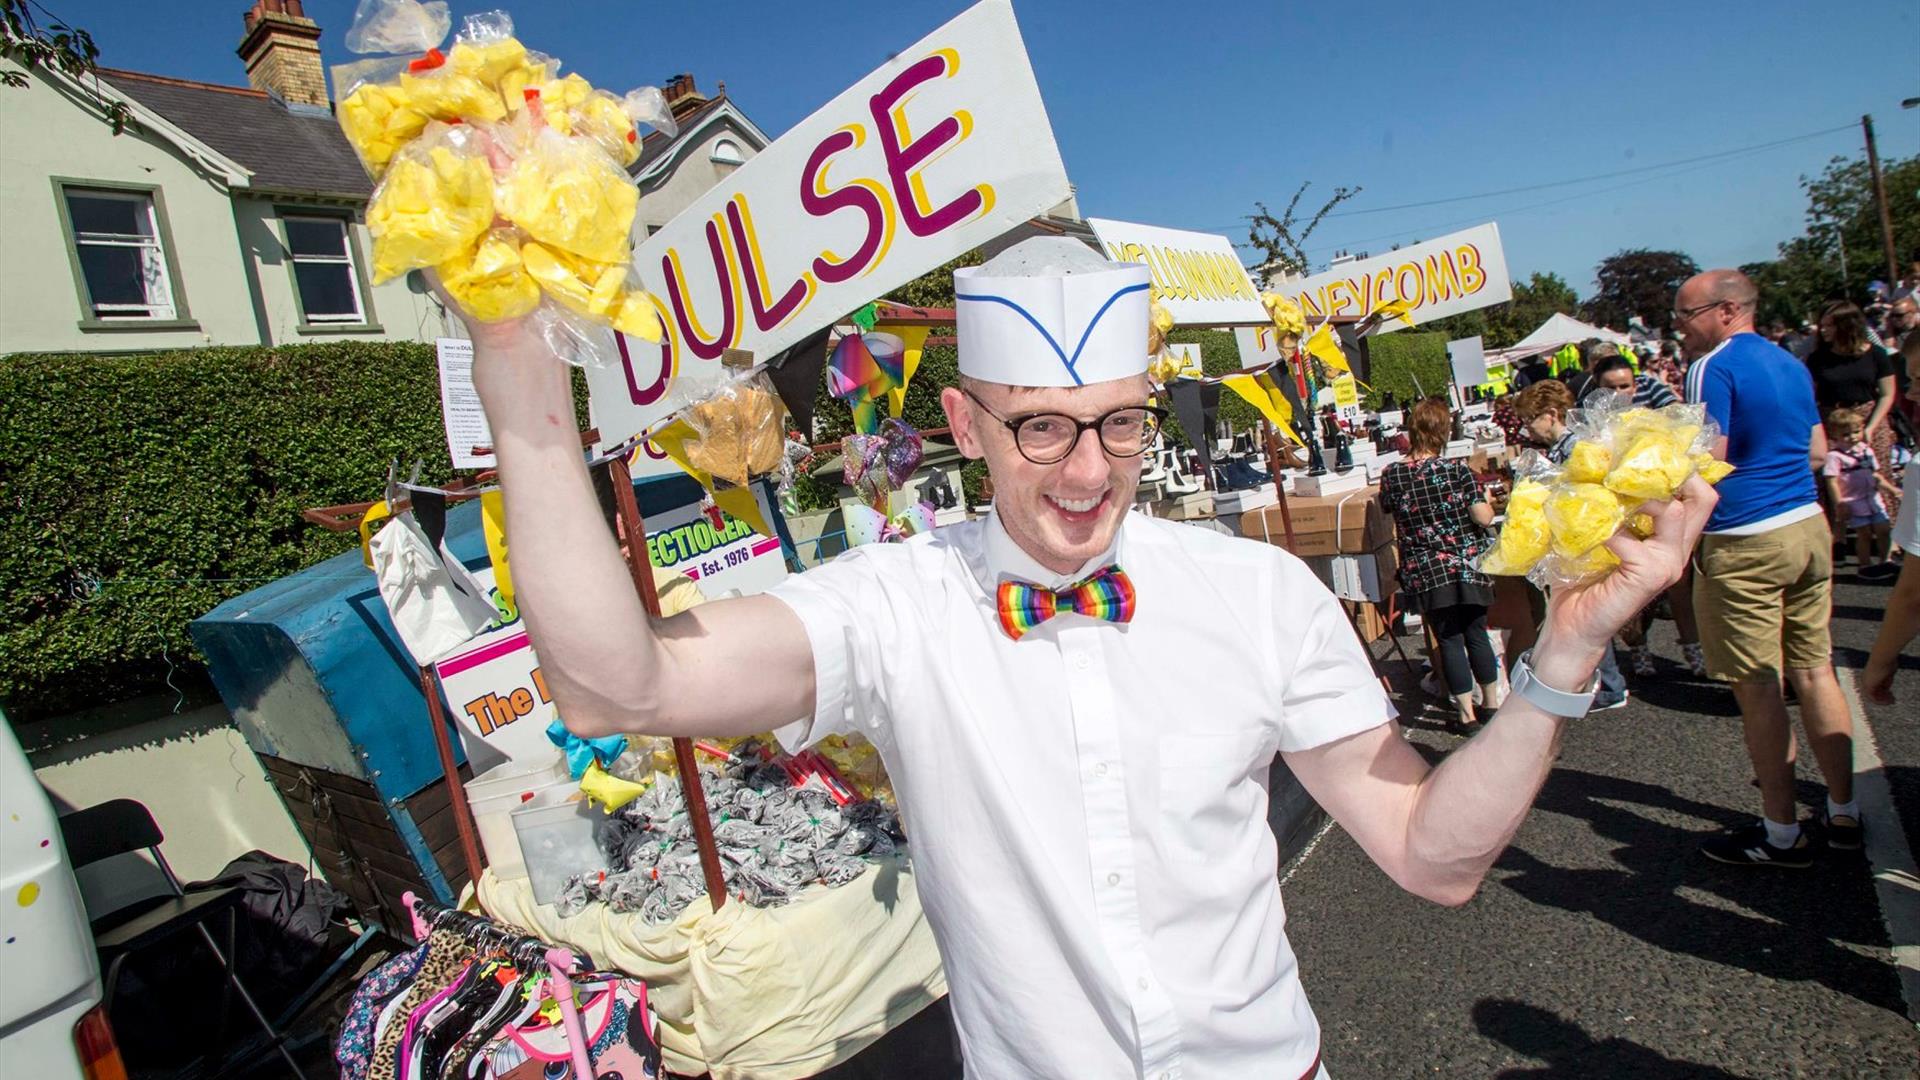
x=1820, y=428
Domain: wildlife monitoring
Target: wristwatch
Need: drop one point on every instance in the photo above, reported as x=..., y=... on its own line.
x=1571, y=705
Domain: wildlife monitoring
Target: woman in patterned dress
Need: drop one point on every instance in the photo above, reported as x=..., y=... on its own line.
x=1441, y=520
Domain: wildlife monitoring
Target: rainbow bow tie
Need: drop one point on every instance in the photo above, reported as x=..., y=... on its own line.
x=1106, y=595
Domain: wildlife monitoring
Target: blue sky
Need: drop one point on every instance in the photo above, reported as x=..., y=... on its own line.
x=1183, y=115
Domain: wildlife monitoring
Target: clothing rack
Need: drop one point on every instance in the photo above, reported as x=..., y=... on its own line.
x=429, y=915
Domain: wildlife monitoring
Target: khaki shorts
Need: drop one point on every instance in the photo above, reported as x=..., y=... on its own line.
x=1765, y=600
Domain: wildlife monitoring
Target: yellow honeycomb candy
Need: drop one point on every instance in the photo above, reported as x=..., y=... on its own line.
x=491, y=283
x=449, y=95
x=515, y=83
x=430, y=208
x=1588, y=463
x=1524, y=537
x=1654, y=464
x=604, y=119
x=1582, y=517
x=596, y=290
x=558, y=95
x=1596, y=562
x=568, y=196
x=378, y=120
x=1710, y=468
x=1641, y=524
x=490, y=61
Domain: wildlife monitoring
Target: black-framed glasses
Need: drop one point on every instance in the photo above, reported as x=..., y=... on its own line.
x=1048, y=438
x=1681, y=315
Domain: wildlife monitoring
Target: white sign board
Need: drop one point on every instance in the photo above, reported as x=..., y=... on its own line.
x=1258, y=345
x=460, y=408
x=1196, y=276
x=731, y=558
x=942, y=149
x=1469, y=362
x=499, y=698
x=1462, y=272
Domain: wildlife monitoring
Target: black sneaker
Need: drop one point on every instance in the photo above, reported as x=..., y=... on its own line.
x=1748, y=846
x=1885, y=571
x=1616, y=703
x=1842, y=833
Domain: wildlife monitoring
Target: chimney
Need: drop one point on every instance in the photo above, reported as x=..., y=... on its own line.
x=282, y=52
x=681, y=96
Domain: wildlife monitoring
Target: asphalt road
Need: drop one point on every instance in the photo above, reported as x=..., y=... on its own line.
x=1603, y=944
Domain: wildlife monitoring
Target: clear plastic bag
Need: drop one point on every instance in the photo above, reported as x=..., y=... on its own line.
x=434, y=202
x=398, y=26
x=740, y=435
x=1623, y=457
x=506, y=179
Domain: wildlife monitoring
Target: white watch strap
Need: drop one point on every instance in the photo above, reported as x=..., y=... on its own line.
x=1557, y=702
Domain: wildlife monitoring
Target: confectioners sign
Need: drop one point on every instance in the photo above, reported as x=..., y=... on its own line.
x=1465, y=271
x=943, y=148
x=1196, y=276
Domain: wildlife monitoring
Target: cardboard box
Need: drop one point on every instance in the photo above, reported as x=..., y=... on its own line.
x=1239, y=502
x=1329, y=483
x=1351, y=522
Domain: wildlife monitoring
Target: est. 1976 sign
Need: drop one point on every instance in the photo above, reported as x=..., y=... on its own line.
x=943, y=148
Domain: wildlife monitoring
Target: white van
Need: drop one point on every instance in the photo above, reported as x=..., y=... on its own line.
x=52, y=1025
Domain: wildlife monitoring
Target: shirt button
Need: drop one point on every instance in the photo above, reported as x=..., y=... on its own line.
x=1143, y=985
x=1100, y=769
x=1080, y=661
x=1113, y=879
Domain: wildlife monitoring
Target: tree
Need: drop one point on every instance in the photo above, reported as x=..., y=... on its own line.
x=1283, y=240
x=1840, y=252
x=67, y=48
x=1501, y=325
x=1638, y=282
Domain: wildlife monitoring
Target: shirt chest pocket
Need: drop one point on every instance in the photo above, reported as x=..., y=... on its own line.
x=1211, y=793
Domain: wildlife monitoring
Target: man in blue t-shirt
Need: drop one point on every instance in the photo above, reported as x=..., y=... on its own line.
x=1763, y=588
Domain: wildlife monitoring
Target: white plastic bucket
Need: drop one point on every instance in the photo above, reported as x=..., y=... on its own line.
x=555, y=831
x=495, y=794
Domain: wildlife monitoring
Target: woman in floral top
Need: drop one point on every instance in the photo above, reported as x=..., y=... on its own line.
x=1442, y=522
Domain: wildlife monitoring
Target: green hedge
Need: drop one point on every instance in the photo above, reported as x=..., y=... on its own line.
x=144, y=490
x=1396, y=359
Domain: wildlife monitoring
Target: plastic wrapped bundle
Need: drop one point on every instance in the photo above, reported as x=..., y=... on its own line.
x=1560, y=519
x=504, y=178
x=740, y=435
x=433, y=204
x=1525, y=538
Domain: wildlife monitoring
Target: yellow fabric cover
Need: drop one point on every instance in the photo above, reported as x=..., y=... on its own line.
x=751, y=993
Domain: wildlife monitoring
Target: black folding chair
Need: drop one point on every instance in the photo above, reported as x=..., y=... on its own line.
x=124, y=825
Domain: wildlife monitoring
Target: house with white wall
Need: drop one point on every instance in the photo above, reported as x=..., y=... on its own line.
x=236, y=215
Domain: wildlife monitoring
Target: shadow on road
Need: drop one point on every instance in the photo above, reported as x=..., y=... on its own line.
x=1571, y=1053
x=1778, y=924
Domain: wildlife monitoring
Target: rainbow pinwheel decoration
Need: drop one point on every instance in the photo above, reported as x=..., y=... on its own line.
x=865, y=525
x=864, y=369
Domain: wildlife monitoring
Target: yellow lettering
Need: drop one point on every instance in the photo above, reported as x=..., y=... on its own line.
x=1443, y=278
x=1473, y=277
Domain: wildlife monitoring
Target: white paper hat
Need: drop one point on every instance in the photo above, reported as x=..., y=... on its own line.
x=1051, y=311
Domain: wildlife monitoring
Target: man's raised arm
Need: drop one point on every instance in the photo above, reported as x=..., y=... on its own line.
x=730, y=667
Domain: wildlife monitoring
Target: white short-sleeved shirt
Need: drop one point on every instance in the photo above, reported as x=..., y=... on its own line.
x=1088, y=805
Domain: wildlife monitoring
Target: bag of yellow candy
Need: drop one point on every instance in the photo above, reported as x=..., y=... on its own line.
x=504, y=179
x=1622, y=457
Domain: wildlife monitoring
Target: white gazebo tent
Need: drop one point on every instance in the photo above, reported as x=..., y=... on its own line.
x=1558, y=331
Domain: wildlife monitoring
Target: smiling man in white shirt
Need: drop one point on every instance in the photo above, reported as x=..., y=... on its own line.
x=1078, y=705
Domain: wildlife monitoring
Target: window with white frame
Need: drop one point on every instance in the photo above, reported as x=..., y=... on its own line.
x=323, y=270
x=117, y=240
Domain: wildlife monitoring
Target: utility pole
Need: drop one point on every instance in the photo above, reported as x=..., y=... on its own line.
x=1880, y=200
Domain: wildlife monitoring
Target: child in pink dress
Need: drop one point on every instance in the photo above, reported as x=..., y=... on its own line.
x=1854, y=487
